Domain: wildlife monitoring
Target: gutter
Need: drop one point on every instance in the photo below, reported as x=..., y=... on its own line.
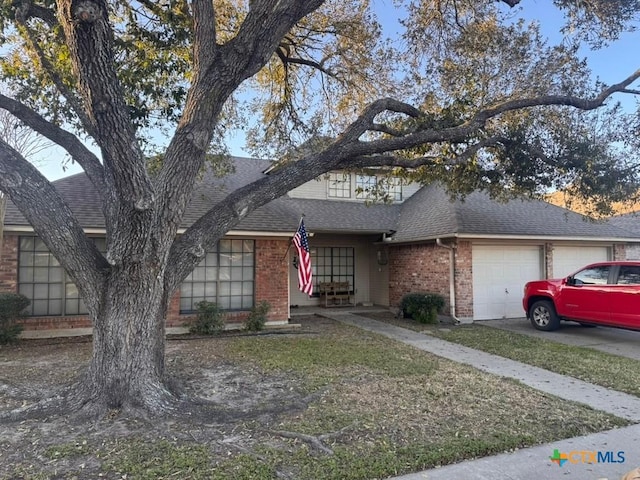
x=452, y=289
x=102, y=231
x=528, y=238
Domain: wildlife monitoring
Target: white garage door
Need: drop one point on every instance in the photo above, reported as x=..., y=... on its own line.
x=567, y=260
x=499, y=275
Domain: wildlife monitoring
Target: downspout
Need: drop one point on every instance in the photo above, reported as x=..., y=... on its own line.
x=452, y=273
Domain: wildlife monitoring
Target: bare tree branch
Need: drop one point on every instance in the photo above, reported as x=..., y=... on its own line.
x=68, y=94
x=567, y=100
x=80, y=154
x=262, y=30
x=286, y=60
x=366, y=121
x=204, y=41
x=389, y=160
x=349, y=151
x=26, y=9
x=20, y=136
x=53, y=221
x=461, y=132
x=90, y=40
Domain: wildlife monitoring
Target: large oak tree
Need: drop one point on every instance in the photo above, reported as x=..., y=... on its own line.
x=468, y=96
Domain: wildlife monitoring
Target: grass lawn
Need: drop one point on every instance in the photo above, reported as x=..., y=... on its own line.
x=588, y=364
x=324, y=402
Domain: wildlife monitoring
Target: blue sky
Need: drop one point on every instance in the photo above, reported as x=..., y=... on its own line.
x=610, y=64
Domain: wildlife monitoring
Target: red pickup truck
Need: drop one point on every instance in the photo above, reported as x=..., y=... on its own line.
x=606, y=293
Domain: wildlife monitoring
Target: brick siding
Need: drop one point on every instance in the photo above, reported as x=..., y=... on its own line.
x=619, y=251
x=9, y=263
x=272, y=277
x=548, y=260
x=271, y=285
x=425, y=268
x=464, y=280
x=418, y=268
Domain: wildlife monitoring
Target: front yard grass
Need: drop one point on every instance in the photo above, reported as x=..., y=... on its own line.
x=588, y=364
x=325, y=402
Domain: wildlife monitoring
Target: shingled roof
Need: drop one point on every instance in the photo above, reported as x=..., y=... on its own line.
x=80, y=195
x=628, y=221
x=430, y=213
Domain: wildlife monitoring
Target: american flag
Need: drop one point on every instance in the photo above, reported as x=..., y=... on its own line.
x=301, y=241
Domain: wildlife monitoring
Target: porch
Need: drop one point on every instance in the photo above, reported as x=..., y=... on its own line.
x=305, y=311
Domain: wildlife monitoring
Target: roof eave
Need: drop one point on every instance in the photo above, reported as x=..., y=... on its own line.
x=98, y=231
x=480, y=236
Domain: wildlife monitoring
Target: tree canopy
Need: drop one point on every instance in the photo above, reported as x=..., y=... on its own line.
x=466, y=94
x=452, y=59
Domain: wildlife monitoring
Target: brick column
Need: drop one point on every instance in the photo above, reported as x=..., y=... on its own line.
x=9, y=263
x=464, y=280
x=548, y=260
x=173, y=312
x=272, y=277
x=619, y=251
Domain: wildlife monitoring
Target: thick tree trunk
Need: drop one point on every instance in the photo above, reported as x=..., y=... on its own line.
x=127, y=368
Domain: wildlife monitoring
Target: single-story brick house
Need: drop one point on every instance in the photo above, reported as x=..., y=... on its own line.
x=476, y=252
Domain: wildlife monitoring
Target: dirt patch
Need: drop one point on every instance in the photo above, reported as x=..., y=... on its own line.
x=36, y=369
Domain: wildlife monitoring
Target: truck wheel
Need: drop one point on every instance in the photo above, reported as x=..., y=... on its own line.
x=543, y=316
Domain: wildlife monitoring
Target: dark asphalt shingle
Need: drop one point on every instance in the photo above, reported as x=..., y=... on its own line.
x=428, y=214
x=431, y=213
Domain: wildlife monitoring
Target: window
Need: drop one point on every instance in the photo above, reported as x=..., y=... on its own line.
x=225, y=276
x=339, y=185
x=629, y=275
x=384, y=188
x=42, y=280
x=333, y=264
x=394, y=189
x=366, y=186
x=593, y=276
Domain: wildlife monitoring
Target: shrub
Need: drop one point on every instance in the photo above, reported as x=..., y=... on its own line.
x=209, y=319
x=422, y=307
x=12, y=307
x=258, y=317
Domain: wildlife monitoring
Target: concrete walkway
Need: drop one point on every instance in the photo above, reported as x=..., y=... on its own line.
x=531, y=463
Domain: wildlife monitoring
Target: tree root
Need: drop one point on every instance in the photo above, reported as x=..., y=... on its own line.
x=315, y=441
x=20, y=392
x=82, y=402
x=42, y=408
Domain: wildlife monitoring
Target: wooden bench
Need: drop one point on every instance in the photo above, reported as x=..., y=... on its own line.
x=336, y=294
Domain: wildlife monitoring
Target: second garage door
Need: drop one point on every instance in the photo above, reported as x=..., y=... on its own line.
x=499, y=275
x=567, y=260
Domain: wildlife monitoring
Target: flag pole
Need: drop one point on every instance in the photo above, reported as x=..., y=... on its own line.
x=290, y=242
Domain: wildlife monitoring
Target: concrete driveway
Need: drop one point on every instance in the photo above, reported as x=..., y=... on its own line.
x=625, y=343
